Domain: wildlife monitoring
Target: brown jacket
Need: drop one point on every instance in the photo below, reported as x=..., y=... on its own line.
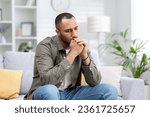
x=50, y=65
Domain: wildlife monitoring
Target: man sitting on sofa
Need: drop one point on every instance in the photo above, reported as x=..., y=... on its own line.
x=59, y=62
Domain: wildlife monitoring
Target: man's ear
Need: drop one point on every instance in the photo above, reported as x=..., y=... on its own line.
x=57, y=31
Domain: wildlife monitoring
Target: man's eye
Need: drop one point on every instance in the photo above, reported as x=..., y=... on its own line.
x=76, y=28
x=67, y=30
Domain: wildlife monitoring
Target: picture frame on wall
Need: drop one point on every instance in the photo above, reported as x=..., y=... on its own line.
x=30, y=2
x=27, y=28
x=1, y=14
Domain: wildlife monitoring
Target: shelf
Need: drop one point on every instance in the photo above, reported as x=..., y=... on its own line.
x=5, y=44
x=25, y=7
x=26, y=38
x=5, y=0
x=14, y=13
x=5, y=22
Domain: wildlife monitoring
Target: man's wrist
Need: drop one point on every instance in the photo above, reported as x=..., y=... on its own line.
x=86, y=61
x=85, y=58
x=70, y=57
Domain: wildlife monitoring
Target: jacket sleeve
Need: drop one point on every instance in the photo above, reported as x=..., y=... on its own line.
x=92, y=76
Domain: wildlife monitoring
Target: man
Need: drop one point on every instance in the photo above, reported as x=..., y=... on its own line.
x=59, y=62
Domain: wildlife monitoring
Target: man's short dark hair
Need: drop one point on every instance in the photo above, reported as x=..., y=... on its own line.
x=61, y=16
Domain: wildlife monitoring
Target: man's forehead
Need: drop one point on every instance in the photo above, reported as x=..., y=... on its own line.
x=68, y=23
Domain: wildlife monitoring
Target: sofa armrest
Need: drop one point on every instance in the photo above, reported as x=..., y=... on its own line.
x=132, y=89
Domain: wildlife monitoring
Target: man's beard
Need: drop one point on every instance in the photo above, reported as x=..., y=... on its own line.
x=66, y=43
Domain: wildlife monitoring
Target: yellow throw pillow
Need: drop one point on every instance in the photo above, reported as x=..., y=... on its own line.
x=10, y=81
x=83, y=82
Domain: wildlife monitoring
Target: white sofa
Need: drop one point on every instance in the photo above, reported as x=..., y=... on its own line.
x=132, y=89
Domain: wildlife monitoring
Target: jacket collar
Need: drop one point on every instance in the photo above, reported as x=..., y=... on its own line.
x=58, y=42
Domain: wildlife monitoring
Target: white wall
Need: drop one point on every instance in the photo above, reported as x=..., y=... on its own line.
x=110, y=10
x=123, y=14
x=120, y=13
x=81, y=9
x=118, y=10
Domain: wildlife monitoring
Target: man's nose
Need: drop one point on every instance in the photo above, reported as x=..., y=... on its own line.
x=74, y=34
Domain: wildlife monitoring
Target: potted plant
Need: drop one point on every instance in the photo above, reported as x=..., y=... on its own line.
x=25, y=47
x=130, y=53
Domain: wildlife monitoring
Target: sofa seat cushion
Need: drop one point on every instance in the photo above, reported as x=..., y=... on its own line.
x=10, y=81
x=23, y=61
x=112, y=75
x=20, y=97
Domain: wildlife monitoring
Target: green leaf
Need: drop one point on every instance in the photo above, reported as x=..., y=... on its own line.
x=128, y=52
x=144, y=58
x=125, y=33
x=132, y=50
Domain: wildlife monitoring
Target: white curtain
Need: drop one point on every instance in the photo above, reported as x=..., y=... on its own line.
x=140, y=20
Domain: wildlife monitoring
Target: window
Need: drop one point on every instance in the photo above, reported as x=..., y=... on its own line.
x=140, y=20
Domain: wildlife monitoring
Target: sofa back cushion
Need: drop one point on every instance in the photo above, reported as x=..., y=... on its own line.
x=1, y=61
x=23, y=61
x=111, y=75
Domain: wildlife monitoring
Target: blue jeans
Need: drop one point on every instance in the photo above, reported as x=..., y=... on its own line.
x=98, y=92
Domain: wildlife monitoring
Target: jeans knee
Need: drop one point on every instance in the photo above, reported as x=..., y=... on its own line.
x=110, y=92
x=50, y=88
x=46, y=92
